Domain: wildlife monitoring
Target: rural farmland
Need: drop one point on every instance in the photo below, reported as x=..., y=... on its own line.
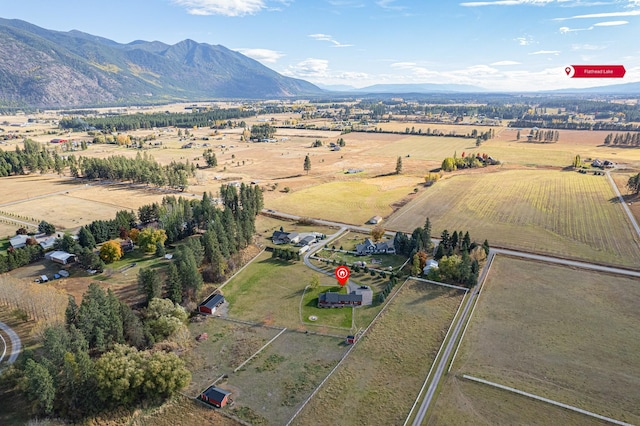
x=562, y=213
x=388, y=366
x=556, y=332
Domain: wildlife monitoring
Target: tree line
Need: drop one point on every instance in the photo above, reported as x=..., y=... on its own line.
x=626, y=139
x=582, y=125
x=126, y=122
x=143, y=169
x=104, y=356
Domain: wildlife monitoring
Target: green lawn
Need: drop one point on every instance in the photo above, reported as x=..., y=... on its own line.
x=338, y=317
x=4, y=245
x=376, y=261
x=271, y=290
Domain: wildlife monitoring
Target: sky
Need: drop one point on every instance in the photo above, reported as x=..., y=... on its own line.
x=502, y=45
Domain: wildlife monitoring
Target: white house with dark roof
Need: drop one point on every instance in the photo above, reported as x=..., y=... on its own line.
x=369, y=247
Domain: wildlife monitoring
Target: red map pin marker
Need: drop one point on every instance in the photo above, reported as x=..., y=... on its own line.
x=342, y=275
x=567, y=70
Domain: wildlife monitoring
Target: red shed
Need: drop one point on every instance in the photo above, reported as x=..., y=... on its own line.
x=215, y=396
x=210, y=304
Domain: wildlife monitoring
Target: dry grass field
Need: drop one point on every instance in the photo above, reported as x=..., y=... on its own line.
x=565, y=334
x=229, y=344
x=350, y=202
x=380, y=379
x=273, y=384
x=565, y=214
x=462, y=402
x=20, y=188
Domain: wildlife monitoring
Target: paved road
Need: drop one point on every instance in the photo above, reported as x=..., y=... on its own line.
x=319, y=246
x=324, y=222
x=566, y=262
x=451, y=344
x=16, y=344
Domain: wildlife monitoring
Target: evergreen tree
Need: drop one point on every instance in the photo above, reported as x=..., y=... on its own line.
x=85, y=238
x=485, y=246
x=174, y=284
x=307, y=163
x=71, y=313
x=399, y=165
x=149, y=283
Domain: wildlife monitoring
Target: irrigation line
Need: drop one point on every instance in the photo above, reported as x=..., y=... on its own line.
x=259, y=350
x=549, y=401
x=435, y=360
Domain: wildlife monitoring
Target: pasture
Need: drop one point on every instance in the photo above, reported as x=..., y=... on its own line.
x=270, y=387
x=228, y=345
x=381, y=377
x=561, y=333
x=565, y=214
x=350, y=202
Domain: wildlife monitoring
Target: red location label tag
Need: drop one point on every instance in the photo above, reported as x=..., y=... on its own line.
x=342, y=274
x=598, y=71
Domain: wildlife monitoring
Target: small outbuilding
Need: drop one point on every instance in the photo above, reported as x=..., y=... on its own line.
x=61, y=257
x=431, y=264
x=375, y=220
x=215, y=396
x=210, y=304
x=18, y=241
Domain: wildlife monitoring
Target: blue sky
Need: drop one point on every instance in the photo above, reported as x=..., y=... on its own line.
x=495, y=44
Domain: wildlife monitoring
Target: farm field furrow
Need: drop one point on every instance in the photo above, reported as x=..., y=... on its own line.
x=560, y=333
x=565, y=214
x=381, y=377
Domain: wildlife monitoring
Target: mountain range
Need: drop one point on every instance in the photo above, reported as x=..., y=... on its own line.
x=45, y=68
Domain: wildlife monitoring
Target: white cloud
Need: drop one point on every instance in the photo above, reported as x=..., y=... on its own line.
x=506, y=3
x=601, y=15
x=222, y=7
x=389, y=4
x=564, y=30
x=545, y=52
x=309, y=68
x=504, y=63
x=524, y=41
x=326, y=37
x=262, y=55
x=404, y=65
x=610, y=23
x=587, y=46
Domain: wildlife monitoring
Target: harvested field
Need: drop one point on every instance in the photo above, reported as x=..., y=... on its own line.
x=561, y=333
x=274, y=383
x=65, y=212
x=19, y=188
x=431, y=148
x=390, y=363
x=228, y=345
x=350, y=202
x=565, y=214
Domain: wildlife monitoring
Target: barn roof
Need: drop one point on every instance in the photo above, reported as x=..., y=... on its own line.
x=215, y=394
x=213, y=301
